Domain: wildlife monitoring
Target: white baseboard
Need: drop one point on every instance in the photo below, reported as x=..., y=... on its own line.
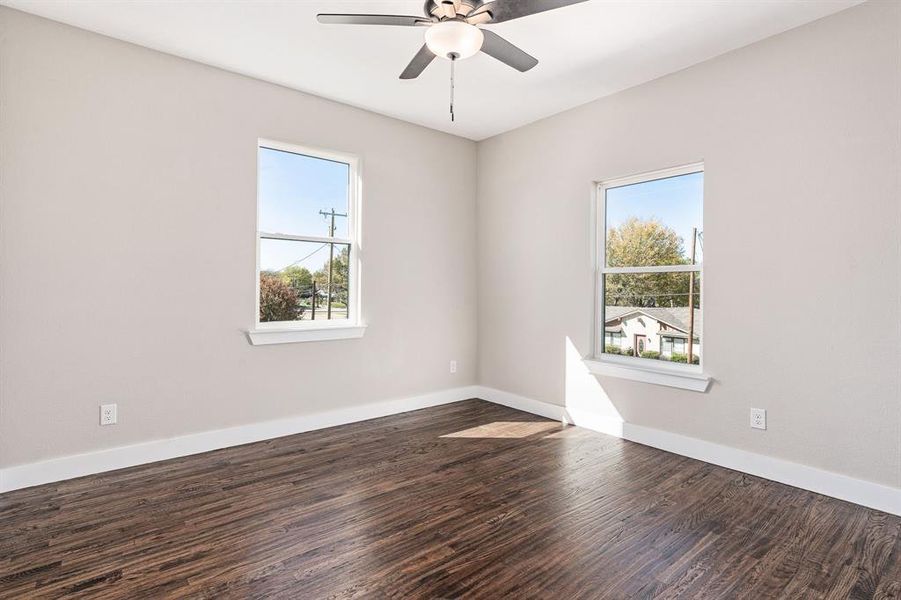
x=843, y=487
x=536, y=407
x=839, y=486
x=68, y=467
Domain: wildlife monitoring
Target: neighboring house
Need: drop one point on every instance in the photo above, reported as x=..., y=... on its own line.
x=637, y=329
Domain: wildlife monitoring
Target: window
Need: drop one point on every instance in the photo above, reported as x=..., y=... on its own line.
x=676, y=348
x=307, y=255
x=650, y=256
x=613, y=338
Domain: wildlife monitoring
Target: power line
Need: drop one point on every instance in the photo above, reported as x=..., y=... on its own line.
x=324, y=244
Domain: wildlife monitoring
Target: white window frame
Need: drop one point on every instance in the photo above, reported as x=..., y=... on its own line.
x=666, y=373
x=281, y=332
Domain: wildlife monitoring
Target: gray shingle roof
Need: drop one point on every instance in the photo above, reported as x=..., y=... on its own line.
x=676, y=316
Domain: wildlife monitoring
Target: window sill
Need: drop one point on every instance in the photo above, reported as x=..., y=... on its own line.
x=289, y=335
x=677, y=376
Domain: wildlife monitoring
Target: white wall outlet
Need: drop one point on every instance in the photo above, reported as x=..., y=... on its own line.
x=453, y=366
x=758, y=418
x=108, y=414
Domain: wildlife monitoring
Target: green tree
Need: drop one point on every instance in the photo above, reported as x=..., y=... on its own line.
x=278, y=300
x=298, y=278
x=646, y=243
x=340, y=274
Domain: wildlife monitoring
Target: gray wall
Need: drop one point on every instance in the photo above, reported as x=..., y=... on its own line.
x=127, y=248
x=800, y=136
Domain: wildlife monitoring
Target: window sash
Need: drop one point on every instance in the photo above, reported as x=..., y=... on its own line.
x=654, y=269
x=265, y=235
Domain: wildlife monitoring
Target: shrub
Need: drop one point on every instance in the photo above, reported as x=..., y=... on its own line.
x=278, y=300
x=627, y=352
x=650, y=354
x=611, y=349
x=683, y=358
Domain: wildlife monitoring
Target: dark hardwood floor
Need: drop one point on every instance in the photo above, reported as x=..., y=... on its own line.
x=469, y=500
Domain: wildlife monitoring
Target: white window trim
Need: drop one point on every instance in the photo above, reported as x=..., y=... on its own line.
x=689, y=377
x=284, y=332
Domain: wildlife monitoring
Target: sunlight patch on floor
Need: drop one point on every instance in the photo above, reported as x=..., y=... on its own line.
x=506, y=429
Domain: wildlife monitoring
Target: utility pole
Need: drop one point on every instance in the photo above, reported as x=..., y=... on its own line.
x=691, y=295
x=331, y=255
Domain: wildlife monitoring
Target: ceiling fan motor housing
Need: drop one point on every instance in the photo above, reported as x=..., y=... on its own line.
x=451, y=9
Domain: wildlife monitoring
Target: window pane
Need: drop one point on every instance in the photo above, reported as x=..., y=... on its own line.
x=648, y=308
x=298, y=194
x=295, y=280
x=651, y=223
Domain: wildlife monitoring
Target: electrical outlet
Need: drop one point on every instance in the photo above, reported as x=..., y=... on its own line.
x=453, y=366
x=107, y=414
x=758, y=418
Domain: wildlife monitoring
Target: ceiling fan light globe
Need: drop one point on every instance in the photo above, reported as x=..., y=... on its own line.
x=454, y=37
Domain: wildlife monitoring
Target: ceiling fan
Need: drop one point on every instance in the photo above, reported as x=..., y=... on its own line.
x=453, y=30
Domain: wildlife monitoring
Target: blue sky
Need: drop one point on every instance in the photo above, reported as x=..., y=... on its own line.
x=674, y=201
x=293, y=189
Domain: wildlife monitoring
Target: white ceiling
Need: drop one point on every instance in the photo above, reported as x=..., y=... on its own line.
x=586, y=50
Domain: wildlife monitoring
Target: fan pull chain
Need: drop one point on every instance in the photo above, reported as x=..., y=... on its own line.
x=453, y=59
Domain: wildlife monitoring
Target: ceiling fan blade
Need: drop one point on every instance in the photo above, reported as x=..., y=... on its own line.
x=477, y=17
x=399, y=20
x=422, y=59
x=499, y=48
x=507, y=10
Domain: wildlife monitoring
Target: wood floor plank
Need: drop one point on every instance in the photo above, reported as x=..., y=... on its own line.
x=468, y=500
